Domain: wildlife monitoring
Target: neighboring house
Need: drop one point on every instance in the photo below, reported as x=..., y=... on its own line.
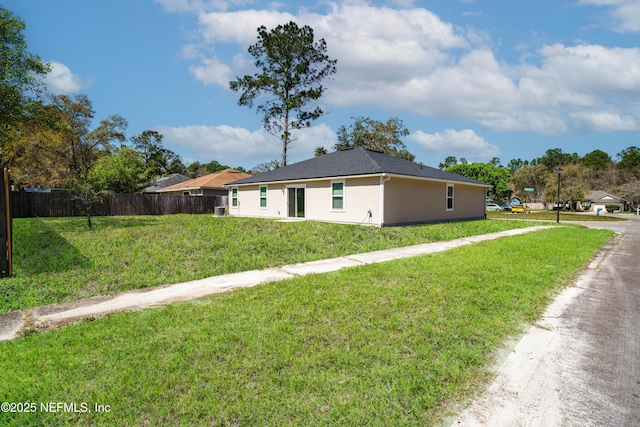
x=359, y=186
x=515, y=201
x=599, y=199
x=207, y=185
x=165, y=181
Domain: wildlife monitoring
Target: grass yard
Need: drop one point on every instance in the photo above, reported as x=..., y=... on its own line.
x=396, y=343
x=60, y=259
x=540, y=215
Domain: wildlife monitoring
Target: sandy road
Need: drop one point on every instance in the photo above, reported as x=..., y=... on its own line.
x=579, y=365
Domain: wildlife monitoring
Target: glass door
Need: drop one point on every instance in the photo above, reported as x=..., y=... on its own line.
x=296, y=202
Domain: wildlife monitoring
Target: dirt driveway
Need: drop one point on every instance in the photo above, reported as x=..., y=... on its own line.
x=580, y=364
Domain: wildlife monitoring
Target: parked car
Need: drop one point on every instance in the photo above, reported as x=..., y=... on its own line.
x=505, y=207
x=524, y=209
x=493, y=207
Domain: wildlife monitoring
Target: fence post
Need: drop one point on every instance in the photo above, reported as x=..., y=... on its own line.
x=5, y=226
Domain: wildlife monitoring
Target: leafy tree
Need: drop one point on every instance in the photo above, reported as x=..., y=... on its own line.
x=123, y=172
x=197, y=169
x=291, y=68
x=630, y=160
x=55, y=146
x=19, y=71
x=319, y=151
x=265, y=167
x=82, y=146
x=535, y=177
x=514, y=165
x=159, y=161
x=555, y=157
x=449, y=161
x=630, y=191
x=497, y=176
x=597, y=160
x=375, y=135
x=194, y=169
x=214, y=166
x=573, y=186
x=34, y=150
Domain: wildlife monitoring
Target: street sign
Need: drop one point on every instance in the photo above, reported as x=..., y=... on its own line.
x=528, y=189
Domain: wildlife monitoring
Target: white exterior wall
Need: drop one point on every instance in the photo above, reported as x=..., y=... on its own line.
x=405, y=201
x=360, y=194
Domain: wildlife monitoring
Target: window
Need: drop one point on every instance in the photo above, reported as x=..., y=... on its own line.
x=449, y=197
x=337, y=196
x=263, y=197
x=234, y=197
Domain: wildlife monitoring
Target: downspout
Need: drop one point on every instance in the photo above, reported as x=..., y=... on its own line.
x=485, y=202
x=383, y=178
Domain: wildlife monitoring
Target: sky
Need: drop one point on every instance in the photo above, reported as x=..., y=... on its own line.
x=474, y=79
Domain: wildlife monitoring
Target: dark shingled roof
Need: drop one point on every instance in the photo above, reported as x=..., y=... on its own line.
x=165, y=182
x=350, y=162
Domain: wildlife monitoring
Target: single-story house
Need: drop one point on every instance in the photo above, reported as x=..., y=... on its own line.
x=207, y=185
x=359, y=186
x=599, y=199
x=165, y=181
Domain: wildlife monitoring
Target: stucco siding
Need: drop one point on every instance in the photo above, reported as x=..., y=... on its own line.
x=409, y=201
x=249, y=202
x=358, y=195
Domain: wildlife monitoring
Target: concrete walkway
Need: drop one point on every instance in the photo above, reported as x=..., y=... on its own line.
x=47, y=317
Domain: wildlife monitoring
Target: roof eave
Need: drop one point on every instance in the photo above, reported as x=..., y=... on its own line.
x=378, y=174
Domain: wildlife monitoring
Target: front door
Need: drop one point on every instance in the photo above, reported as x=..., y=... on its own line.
x=296, y=202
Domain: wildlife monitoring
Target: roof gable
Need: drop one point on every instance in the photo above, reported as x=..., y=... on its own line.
x=165, y=181
x=353, y=162
x=603, y=196
x=213, y=180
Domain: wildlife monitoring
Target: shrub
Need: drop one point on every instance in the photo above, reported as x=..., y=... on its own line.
x=611, y=208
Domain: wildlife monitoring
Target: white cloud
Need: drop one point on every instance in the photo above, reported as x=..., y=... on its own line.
x=625, y=14
x=212, y=71
x=465, y=143
x=61, y=81
x=591, y=69
x=197, y=5
x=237, y=146
x=409, y=60
x=603, y=121
x=239, y=27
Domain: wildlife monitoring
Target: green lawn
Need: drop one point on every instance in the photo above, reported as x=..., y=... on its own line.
x=59, y=259
x=400, y=343
x=539, y=215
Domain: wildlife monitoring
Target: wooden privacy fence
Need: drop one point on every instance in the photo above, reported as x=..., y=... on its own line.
x=56, y=204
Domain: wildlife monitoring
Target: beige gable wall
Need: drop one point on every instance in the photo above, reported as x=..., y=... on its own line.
x=413, y=201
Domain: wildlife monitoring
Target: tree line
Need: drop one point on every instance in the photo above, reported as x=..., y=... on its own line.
x=578, y=176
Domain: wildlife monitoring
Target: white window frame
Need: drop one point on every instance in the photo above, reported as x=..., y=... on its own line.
x=447, y=198
x=266, y=196
x=343, y=196
x=235, y=202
